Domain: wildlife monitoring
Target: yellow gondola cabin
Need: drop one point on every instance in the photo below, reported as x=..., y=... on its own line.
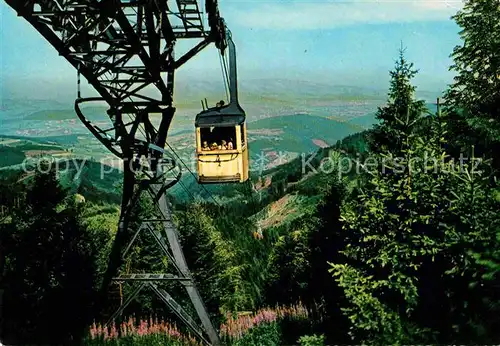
x=221, y=147
x=221, y=135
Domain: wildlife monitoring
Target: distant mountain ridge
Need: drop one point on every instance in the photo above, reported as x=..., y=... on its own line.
x=250, y=90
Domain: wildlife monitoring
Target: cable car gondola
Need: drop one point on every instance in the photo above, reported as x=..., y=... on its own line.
x=221, y=136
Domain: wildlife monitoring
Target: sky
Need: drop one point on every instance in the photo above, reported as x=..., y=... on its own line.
x=348, y=42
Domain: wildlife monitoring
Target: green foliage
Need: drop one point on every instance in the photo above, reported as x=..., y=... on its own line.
x=99, y=183
x=101, y=221
x=474, y=97
x=354, y=144
x=50, y=261
x=289, y=262
x=406, y=235
x=11, y=156
x=326, y=240
x=490, y=260
x=265, y=334
x=216, y=260
x=485, y=282
x=312, y=340
x=401, y=112
x=476, y=87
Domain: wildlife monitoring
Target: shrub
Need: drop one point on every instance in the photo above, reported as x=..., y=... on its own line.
x=312, y=340
x=265, y=334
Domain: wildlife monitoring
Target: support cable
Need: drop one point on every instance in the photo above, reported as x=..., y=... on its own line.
x=224, y=76
x=187, y=190
x=78, y=91
x=203, y=187
x=226, y=64
x=180, y=182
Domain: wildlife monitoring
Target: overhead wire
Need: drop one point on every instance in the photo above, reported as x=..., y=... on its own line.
x=140, y=129
x=78, y=90
x=180, y=182
x=187, y=190
x=225, y=77
x=225, y=66
x=203, y=187
x=226, y=72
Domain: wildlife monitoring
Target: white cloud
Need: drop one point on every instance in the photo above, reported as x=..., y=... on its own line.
x=311, y=15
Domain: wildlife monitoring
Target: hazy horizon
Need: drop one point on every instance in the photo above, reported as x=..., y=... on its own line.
x=348, y=42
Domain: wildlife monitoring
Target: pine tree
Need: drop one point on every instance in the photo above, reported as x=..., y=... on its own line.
x=214, y=260
x=50, y=274
x=402, y=111
x=45, y=193
x=325, y=241
x=405, y=272
x=475, y=92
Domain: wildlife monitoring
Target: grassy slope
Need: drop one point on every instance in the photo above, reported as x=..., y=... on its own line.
x=92, y=113
x=298, y=131
x=11, y=156
x=97, y=182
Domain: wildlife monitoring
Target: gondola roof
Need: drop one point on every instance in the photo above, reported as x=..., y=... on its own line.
x=221, y=118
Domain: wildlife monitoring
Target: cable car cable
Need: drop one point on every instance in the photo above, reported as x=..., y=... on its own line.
x=187, y=190
x=203, y=187
x=180, y=182
x=78, y=91
x=225, y=64
x=226, y=73
x=194, y=176
x=224, y=78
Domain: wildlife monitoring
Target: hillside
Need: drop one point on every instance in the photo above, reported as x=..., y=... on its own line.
x=274, y=141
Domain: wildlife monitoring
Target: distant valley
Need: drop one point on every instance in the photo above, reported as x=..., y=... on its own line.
x=285, y=118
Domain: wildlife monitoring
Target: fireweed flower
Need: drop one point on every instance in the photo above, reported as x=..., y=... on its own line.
x=144, y=332
x=152, y=331
x=236, y=328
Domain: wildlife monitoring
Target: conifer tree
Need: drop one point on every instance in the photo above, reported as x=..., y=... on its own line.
x=402, y=111
x=475, y=92
x=214, y=261
x=406, y=236
x=49, y=277
x=325, y=241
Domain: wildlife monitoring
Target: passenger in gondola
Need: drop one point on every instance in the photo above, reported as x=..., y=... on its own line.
x=205, y=146
x=230, y=144
x=219, y=104
x=213, y=146
x=224, y=145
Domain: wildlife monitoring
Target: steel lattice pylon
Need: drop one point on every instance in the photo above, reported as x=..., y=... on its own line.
x=125, y=50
